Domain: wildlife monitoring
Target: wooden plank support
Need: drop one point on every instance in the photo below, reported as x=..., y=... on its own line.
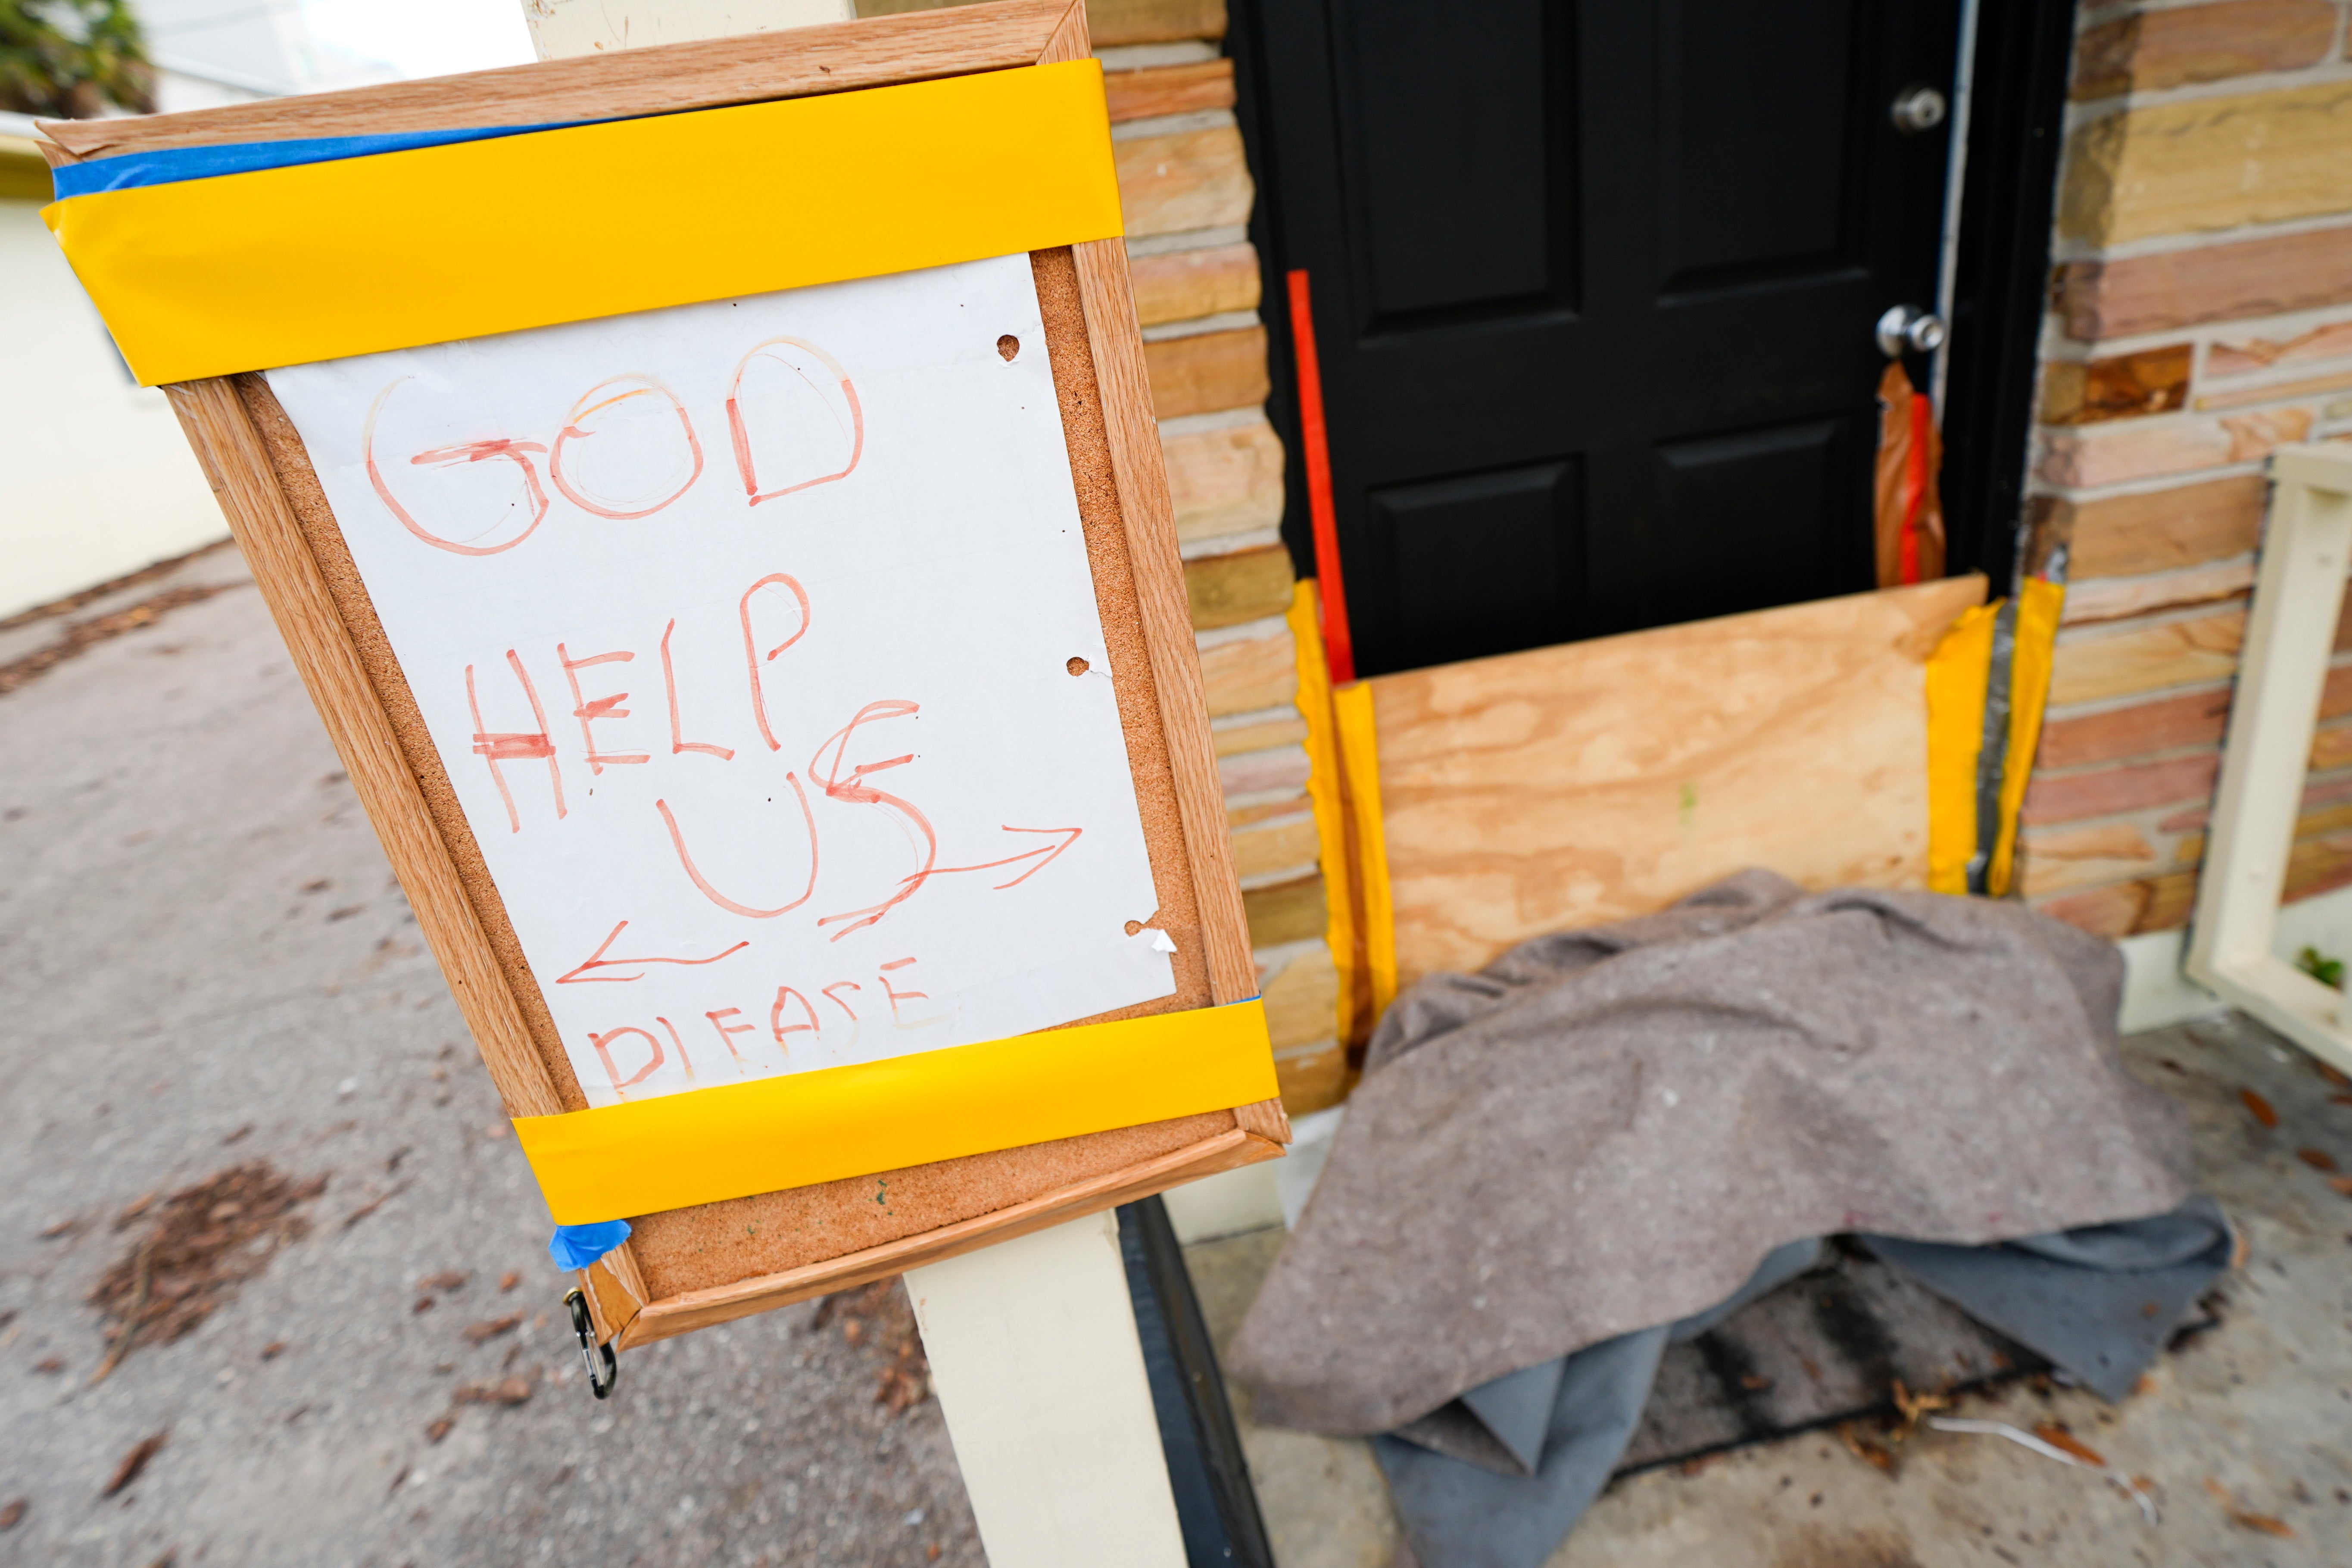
x=1039, y=1370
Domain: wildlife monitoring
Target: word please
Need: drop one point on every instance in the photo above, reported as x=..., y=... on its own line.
x=790, y=1013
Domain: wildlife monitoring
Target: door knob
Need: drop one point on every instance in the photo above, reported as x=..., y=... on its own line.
x=1906, y=329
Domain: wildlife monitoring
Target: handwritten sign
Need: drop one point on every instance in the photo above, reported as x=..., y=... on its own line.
x=758, y=640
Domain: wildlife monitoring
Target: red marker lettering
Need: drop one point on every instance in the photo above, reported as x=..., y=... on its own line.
x=588, y=712
x=726, y=1032
x=514, y=746
x=677, y=741
x=603, y=1043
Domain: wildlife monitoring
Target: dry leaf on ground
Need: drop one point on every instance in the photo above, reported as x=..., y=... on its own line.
x=490, y=1328
x=135, y=1461
x=2059, y=1437
x=510, y=1391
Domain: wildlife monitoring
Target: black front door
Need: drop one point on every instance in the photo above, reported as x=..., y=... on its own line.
x=1594, y=286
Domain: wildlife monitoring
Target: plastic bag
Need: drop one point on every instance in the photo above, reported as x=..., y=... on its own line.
x=1910, y=514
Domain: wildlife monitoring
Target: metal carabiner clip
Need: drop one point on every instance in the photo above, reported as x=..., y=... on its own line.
x=604, y=1367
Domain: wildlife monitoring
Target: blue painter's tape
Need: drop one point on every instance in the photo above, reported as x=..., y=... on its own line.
x=578, y=1246
x=172, y=164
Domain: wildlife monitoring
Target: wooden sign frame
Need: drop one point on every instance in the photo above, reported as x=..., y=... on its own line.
x=690, y=1267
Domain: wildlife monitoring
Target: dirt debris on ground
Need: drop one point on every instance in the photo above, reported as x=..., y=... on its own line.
x=79, y=636
x=881, y=1316
x=195, y=1249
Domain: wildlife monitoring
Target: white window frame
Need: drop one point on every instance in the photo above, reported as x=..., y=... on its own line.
x=2290, y=635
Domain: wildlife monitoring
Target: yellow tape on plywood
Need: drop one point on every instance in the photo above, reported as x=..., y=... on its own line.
x=2038, y=608
x=1958, y=679
x=1955, y=698
x=1323, y=789
x=1359, y=754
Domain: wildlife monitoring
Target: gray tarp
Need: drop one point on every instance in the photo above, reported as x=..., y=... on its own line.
x=1609, y=1130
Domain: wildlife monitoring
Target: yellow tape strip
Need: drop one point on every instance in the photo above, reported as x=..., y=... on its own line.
x=1956, y=699
x=1958, y=674
x=320, y=261
x=1359, y=754
x=1323, y=790
x=2037, y=607
x=641, y=1157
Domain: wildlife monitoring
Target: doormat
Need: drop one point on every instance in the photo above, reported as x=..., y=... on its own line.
x=1826, y=1347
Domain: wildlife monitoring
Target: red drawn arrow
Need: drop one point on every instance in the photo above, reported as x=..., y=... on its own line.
x=597, y=960
x=1042, y=856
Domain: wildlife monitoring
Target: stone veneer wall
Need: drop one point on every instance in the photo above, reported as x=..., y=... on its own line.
x=2201, y=315
x=1185, y=188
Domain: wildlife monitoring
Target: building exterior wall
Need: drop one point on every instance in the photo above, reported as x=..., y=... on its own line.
x=2201, y=316
x=96, y=479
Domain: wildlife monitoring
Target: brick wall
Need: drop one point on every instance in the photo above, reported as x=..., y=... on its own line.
x=2201, y=315
x=1185, y=188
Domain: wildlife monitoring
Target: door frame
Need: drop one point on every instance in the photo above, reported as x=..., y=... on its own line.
x=2024, y=56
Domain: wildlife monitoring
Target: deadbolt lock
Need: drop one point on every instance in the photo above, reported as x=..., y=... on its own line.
x=1918, y=109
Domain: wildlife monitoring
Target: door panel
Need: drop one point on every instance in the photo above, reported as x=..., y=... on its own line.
x=1745, y=517
x=1593, y=286
x=1754, y=137
x=1434, y=538
x=1431, y=166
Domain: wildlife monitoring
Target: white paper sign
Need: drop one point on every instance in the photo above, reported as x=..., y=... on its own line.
x=759, y=641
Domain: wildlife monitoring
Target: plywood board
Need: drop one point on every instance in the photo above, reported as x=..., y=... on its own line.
x=1570, y=785
x=688, y=1267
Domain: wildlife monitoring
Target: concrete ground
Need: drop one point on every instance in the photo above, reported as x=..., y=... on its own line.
x=203, y=960
x=2245, y=1432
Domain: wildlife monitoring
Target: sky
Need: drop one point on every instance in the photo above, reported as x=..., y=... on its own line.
x=424, y=38
x=356, y=39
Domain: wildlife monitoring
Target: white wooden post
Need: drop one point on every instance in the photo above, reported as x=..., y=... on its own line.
x=1036, y=1362
x=1033, y=1343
